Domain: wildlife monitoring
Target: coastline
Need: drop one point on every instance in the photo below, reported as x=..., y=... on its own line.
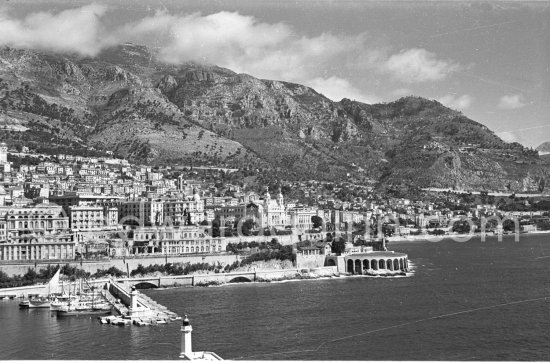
x=299, y=276
x=304, y=277
x=433, y=238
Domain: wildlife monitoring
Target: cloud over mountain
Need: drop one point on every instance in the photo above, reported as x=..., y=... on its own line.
x=76, y=30
x=337, y=65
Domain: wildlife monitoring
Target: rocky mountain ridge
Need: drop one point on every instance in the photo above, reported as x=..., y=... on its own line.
x=126, y=101
x=544, y=148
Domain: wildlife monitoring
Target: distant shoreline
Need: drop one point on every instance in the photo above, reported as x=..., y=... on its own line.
x=433, y=238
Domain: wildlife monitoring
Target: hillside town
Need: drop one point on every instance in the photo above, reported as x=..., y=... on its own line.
x=66, y=207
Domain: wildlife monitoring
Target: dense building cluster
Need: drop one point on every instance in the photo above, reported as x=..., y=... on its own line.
x=55, y=207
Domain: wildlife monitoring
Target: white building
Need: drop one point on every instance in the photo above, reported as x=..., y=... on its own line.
x=273, y=212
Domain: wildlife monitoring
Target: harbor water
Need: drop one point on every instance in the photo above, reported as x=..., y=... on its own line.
x=465, y=301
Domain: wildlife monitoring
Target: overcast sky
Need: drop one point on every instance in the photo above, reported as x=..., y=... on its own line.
x=489, y=60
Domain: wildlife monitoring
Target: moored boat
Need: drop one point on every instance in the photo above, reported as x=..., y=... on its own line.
x=78, y=312
x=35, y=303
x=60, y=302
x=94, y=307
x=107, y=319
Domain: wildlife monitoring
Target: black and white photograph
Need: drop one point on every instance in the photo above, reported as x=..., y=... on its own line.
x=274, y=180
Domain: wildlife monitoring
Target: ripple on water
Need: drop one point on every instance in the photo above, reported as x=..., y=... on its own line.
x=337, y=318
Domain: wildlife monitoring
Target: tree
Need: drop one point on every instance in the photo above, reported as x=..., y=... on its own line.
x=231, y=248
x=509, y=225
x=501, y=203
x=317, y=221
x=461, y=227
x=338, y=246
x=31, y=275
x=248, y=226
x=216, y=227
x=483, y=196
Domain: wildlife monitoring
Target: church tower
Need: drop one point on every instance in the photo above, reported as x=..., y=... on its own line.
x=3, y=153
x=267, y=196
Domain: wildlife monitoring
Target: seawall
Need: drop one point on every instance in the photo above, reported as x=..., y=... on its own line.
x=126, y=264
x=312, y=261
x=193, y=280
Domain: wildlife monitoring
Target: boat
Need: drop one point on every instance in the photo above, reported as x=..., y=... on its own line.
x=121, y=321
x=107, y=319
x=35, y=303
x=60, y=302
x=85, y=304
x=83, y=310
x=141, y=322
x=43, y=300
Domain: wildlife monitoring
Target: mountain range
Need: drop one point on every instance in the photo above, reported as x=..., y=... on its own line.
x=126, y=101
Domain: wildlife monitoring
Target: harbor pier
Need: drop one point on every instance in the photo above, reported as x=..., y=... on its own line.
x=137, y=307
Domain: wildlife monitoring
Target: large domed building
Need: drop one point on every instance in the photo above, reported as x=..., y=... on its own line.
x=273, y=211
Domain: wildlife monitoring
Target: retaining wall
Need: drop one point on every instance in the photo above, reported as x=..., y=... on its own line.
x=125, y=265
x=311, y=261
x=287, y=239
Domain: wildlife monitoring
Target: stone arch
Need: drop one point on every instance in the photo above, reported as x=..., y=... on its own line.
x=357, y=269
x=350, y=265
x=240, y=279
x=331, y=262
x=381, y=264
x=401, y=264
x=142, y=285
x=389, y=264
x=374, y=264
x=396, y=264
x=366, y=264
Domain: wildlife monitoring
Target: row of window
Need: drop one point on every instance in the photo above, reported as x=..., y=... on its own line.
x=36, y=224
x=179, y=243
x=140, y=236
x=193, y=249
x=36, y=252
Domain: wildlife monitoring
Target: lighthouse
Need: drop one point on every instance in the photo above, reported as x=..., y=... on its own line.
x=186, y=329
x=133, y=300
x=186, y=348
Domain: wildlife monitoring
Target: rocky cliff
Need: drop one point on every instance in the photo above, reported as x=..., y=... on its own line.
x=125, y=101
x=544, y=148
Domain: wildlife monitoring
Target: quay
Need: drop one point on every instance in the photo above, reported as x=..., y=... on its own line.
x=145, y=282
x=135, y=306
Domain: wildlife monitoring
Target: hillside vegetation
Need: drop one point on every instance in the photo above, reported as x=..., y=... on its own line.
x=125, y=101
